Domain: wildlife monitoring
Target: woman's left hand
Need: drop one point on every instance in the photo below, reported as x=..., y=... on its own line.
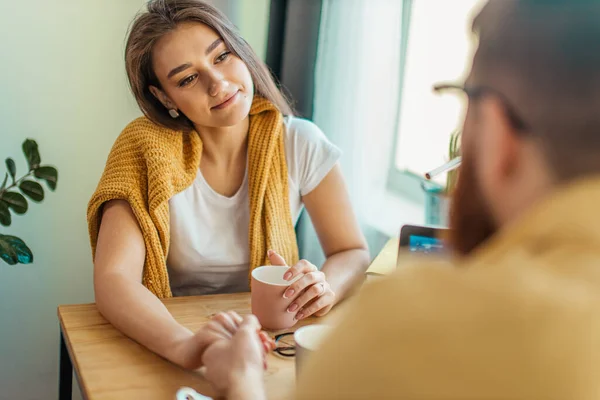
x=311, y=293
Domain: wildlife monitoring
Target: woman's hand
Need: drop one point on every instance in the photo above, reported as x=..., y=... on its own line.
x=310, y=293
x=189, y=351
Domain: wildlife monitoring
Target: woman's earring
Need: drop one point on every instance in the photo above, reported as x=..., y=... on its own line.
x=173, y=113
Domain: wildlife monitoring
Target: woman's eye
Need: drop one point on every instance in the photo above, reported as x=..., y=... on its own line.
x=187, y=80
x=223, y=56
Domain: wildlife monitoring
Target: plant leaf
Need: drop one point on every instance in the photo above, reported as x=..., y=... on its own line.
x=13, y=250
x=4, y=183
x=49, y=174
x=7, y=252
x=30, y=148
x=33, y=190
x=5, y=217
x=15, y=201
x=11, y=167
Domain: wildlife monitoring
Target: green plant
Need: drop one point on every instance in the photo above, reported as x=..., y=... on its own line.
x=12, y=249
x=453, y=152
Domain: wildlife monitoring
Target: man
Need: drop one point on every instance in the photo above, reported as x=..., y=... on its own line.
x=517, y=314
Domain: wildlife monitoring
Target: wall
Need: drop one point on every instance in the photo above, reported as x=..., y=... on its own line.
x=62, y=83
x=254, y=23
x=251, y=18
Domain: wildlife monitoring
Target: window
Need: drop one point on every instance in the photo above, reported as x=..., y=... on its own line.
x=438, y=45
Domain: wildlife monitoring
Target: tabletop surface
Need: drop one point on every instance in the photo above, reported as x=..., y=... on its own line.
x=109, y=365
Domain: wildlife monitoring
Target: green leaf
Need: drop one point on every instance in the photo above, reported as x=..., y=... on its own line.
x=30, y=148
x=13, y=250
x=5, y=218
x=4, y=183
x=11, y=167
x=15, y=201
x=49, y=174
x=33, y=190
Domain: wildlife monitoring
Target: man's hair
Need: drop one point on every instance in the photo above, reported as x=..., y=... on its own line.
x=544, y=56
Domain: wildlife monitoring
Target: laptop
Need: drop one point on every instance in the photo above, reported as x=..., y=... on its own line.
x=416, y=239
x=422, y=239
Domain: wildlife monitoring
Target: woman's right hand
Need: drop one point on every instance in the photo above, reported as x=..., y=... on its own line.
x=189, y=351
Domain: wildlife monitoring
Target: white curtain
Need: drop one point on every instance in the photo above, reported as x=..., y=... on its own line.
x=356, y=100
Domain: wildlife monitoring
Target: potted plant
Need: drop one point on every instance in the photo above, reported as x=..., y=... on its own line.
x=437, y=197
x=13, y=199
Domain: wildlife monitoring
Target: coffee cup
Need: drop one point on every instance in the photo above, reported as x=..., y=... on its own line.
x=268, y=303
x=308, y=340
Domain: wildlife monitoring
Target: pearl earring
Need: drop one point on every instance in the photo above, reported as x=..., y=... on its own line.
x=173, y=113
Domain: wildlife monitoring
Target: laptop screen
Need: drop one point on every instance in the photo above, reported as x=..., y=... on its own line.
x=425, y=244
x=418, y=239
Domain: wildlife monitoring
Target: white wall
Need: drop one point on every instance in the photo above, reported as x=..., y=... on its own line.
x=62, y=83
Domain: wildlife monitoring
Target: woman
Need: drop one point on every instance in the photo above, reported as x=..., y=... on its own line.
x=209, y=184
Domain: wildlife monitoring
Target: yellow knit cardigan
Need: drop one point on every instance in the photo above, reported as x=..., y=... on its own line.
x=149, y=164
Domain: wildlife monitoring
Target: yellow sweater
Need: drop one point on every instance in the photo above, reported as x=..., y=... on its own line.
x=519, y=320
x=149, y=164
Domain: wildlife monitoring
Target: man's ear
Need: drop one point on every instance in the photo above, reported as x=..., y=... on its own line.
x=161, y=96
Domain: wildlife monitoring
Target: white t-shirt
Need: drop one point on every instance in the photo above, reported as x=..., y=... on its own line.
x=209, y=232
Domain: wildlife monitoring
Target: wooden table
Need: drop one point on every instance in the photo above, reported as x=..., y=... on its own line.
x=108, y=365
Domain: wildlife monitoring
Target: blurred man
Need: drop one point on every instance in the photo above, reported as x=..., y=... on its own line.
x=517, y=314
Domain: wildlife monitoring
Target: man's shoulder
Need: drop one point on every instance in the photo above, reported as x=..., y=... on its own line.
x=471, y=288
x=433, y=324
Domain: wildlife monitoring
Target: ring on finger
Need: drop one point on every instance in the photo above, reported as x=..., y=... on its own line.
x=322, y=288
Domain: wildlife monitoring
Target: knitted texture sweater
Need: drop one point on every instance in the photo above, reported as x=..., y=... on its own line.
x=149, y=164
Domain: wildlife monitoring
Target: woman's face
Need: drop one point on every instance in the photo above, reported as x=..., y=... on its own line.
x=201, y=77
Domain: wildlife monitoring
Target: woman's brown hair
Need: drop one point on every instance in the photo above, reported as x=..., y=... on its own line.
x=162, y=17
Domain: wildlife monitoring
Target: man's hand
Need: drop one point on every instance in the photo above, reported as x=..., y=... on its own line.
x=222, y=326
x=236, y=366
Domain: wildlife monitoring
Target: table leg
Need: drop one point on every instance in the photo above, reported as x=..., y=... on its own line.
x=65, y=373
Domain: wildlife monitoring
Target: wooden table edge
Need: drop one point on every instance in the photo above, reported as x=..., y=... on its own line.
x=73, y=360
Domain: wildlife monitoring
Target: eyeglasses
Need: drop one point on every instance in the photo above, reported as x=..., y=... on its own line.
x=285, y=344
x=475, y=92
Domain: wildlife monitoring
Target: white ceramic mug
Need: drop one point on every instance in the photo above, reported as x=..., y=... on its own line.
x=308, y=340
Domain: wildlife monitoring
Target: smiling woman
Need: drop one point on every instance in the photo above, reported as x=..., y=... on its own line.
x=208, y=80
x=209, y=184
x=193, y=30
